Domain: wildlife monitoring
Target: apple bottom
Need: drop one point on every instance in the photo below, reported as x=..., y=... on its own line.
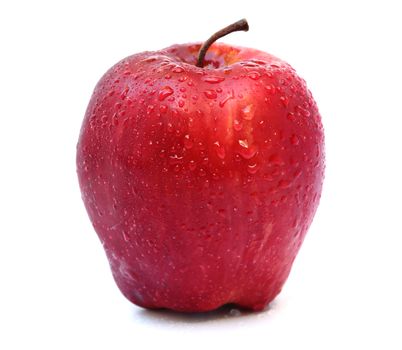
x=194, y=291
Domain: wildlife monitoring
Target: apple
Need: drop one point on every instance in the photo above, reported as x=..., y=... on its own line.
x=201, y=168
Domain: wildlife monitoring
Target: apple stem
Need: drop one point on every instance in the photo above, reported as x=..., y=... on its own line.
x=241, y=25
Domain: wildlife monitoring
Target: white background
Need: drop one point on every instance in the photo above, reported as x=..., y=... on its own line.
x=56, y=290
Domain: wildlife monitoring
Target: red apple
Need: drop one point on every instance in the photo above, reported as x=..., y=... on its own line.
x=201, y=180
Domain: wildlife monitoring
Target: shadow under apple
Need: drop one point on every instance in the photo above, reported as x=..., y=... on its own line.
x=225, y=313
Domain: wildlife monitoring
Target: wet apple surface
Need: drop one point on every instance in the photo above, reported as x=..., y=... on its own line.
x=201, y=182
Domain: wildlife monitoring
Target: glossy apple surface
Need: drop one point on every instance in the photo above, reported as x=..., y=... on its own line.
x=201, y=183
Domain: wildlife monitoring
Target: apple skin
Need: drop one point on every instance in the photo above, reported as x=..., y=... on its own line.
x=201, y=183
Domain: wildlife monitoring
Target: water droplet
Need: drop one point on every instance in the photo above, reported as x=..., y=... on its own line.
x=151, y=59
x=259, y=62
x=291, y=116
x=249, y=64
x=254, y=75
x=125, y=235
x=176, y=168
x=247, y=151
x=175, y=159
x=150, y=109
x=284, y=100
x=220, y=150
x=165, y=92
x=162, y=153
x=187, y=142
x=276, y=159
x=201, y=146
x=294, y=140
x=211, y=94
x=192, y=165
x=177, y=69
x=270, y=89
x=237, y=124
x=124, y=94
x=243, y=143
x=248, y=112
x=226, y=99
x=284, y=184
x=303, y=111
x=252, y=168
x=162, y=109
x=213, y=79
